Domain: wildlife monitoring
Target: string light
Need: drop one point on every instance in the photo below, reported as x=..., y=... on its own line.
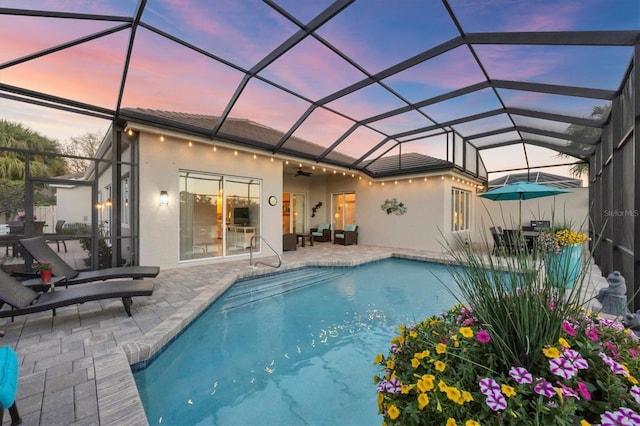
x=190, y=143
x=235, y=153
x=255, y=156
x=161, y=138
x=214, y=148
x=425, y=178
x=272, y=159
x=410, y=181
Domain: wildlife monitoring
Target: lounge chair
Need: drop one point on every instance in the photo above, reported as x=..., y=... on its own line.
x=346, y=236
x=24, y=300
x=38, y=248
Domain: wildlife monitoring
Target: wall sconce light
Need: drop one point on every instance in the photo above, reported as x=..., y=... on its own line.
x=164, y=198
x=108, y=202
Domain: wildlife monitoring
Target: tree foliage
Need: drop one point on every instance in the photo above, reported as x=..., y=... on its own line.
x=81, y=146
x=12, y=163
x=586, y=132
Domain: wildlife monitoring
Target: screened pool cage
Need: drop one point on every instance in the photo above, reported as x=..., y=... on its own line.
x=384, y=89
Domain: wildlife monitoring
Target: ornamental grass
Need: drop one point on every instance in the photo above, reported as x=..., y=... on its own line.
x=517, y=350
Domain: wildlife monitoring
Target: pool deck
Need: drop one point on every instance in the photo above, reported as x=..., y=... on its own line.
x=75, y=367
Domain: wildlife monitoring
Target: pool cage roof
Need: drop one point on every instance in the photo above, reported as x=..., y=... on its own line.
x=386, y=88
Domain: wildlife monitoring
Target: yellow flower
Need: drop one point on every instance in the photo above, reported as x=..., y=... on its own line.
x=551, y=352
x=398, y=340
x=441, y=348
x=583, y=422
x=376, y=379
x=451, y=422
x=405, y=389
x=564, y=343
x=413, y=334
x=466, y=396
x=415, y=363
x=393, y=412
x=440, y=366
x=466, y=332
x=425, y=384
x=453, y=394
x=508, y=390
x=379, y=359
x=632, y=380
x=423, y=400
x=390, y=364
x=401, y=328
x=471, y=423
x=442, y=386
x=423, y=354
x=380, y=400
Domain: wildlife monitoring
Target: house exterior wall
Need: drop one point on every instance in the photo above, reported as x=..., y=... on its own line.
x=73, y=205
x=160, y=162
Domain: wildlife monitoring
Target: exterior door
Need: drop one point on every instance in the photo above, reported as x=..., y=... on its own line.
x=343, y=209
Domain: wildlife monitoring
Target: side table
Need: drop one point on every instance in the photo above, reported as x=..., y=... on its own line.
x=37, y=285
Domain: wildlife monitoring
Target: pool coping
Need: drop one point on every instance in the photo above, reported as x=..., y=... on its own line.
x=119, y=402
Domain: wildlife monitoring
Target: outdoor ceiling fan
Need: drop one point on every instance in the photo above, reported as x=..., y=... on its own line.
x=301, y=172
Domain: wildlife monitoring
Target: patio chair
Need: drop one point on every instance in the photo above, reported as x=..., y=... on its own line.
x=58, y=236
x=322, y=232
x=498, y=240
x=346, y=236
x=23, y=300
x=38, y=248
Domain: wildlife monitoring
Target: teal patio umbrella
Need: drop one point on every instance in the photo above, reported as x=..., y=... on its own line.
x=522, y=191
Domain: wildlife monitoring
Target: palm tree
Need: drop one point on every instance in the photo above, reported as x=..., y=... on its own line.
x=586, y=132
x=15, y=136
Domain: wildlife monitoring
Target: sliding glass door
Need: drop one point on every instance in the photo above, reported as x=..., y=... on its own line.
x=218, y=214
x=343, y=209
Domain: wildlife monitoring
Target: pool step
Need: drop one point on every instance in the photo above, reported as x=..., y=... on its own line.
x=255, y=290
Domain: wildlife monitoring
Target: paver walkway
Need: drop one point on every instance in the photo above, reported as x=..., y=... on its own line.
x=74, y=367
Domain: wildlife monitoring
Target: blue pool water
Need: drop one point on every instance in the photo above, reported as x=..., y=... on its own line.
x=295, y=348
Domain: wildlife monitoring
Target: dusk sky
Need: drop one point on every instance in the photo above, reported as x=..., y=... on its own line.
x=373, y=34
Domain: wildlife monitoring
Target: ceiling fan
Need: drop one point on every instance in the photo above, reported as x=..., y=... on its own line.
x=301, y=172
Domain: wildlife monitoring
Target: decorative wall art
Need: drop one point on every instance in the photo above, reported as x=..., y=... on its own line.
x=315, y=208
x=393, y=206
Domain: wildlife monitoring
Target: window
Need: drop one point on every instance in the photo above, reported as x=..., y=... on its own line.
x=460, y=209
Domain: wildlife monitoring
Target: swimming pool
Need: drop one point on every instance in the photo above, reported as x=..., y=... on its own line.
x=292, y=348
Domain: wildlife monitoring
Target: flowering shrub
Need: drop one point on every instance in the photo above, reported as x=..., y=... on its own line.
x=554, y=241
x=446, y=370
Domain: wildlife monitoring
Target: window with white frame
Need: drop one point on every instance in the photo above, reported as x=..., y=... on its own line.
x=460, y=209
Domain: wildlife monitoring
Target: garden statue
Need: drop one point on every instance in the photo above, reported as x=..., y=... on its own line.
x=614, y=297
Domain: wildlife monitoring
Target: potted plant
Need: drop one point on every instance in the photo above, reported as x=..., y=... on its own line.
x=45, y=269
x=563, y=248
x=517, y=350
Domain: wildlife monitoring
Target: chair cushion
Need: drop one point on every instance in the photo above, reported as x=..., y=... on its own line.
x=350, y=227
x=8, y=376
x=317, y=234
x=339, y=235
x=322, y=227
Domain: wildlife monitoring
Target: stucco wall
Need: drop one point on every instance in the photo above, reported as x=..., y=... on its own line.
x=160, y=163
x=73, y=205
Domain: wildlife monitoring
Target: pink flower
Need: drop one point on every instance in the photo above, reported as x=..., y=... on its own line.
x=582, y=388
x=483, y=336
x=592, y=333
x=521, y=375
x=568, y=328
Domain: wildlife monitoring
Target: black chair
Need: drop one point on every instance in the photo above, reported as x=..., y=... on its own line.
x=346, y=236
x=498, y=240
x=38, y=248
x=513, y=241
x=23, y=300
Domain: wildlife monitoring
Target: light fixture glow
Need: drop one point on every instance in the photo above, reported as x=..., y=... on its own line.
x=161, y=138
x=164, y=198
x=410, y=181
x=215, y=148
x=130, y=132
x=190, y=143
x=272, y=159
x=255, y=156
x=235, y=153
x=108, y=202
